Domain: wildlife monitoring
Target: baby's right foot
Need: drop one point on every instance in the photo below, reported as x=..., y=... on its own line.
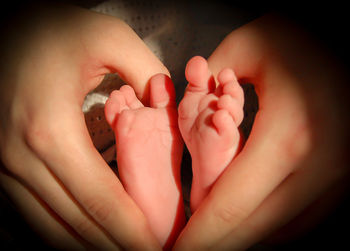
x=208, y=119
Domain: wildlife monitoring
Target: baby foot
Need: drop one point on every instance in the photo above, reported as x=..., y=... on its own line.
x=209, y=117
x=149, y=151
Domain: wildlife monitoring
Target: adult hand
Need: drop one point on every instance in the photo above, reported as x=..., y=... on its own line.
x=51, y=58
x=295, y=153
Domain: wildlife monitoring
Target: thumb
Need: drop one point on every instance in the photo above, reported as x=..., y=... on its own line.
x=125, y=53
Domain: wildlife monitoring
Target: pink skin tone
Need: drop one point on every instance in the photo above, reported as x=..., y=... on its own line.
x=149, y=143
x=149, y=152
x=209, y=117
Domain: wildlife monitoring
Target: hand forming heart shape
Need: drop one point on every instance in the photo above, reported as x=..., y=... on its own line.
x=63, y=187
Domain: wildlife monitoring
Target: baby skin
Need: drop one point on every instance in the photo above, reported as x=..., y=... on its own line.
x=149, y=152
x=209, y=117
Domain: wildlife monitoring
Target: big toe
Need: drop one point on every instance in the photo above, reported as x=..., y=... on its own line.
x=162, y=91
x=198, y=75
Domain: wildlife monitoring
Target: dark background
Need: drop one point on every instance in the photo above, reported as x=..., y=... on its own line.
x=325, y=20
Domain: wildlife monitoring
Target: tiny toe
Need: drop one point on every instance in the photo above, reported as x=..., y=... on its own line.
x=208, y=101
x=235, y=90
x=232, y=106
x=223, y=122
x=114, y=105
x=198, y=75
x=130, y=97
x=162, y=91
x=118, y=97
x=110, y=108
x=226, y=75
x=230, y=85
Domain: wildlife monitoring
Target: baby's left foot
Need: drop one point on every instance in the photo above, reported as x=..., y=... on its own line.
x=209, y=117
x=149, y=152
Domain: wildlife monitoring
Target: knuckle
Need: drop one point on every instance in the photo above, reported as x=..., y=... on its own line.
x=298, y=144
x=99, y=209
x=7, y=162
x=6, y=155
x=10, y=161
x=257, y=230
x=83, y=226
x=119, y=24
x=231, y=214
x=37, y=137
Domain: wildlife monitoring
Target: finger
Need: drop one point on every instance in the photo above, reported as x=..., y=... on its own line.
x=232, y=199
x=286, y=202
x=91, y=182
x=245, y=52
x=248, y=180
x=128, y=55
x=38, y=217
x=162, y=92
x=61, y=204
x=271, y=153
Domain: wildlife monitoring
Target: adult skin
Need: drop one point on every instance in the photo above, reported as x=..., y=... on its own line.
x=296, y=152
x=51, y=58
